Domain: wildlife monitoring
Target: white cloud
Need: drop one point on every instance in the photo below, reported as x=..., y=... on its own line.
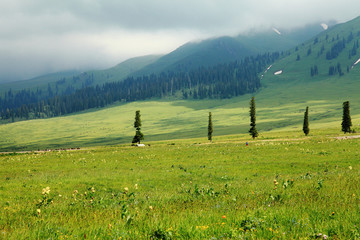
x=38, y=36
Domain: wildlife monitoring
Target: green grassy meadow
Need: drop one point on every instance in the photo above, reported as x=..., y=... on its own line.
x=281, y=186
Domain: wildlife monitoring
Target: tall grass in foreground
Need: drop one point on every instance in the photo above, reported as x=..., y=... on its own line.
x=302, y=188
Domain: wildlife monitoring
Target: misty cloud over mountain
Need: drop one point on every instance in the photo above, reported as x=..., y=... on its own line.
x=39, y=36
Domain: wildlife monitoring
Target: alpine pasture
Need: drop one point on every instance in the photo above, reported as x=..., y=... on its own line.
x=281, y=186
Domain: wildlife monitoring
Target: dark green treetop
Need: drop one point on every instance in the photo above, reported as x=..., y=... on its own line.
x=253, y=131
x=137, y=125
x=346, y=119
x=306, y=128
x=210, y=128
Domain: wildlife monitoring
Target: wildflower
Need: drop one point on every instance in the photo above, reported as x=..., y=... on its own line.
x=38, y=211
x=150, y=207
x=76, y=191
x=136, y=186
x=46, y=190
x=201, y=227
x=224, y=216
x=350, y=167
x=325, y=236
x=92, y=189
x=126, y=189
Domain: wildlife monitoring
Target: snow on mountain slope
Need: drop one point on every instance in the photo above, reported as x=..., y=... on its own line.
x=324, y=26
x=277, y=31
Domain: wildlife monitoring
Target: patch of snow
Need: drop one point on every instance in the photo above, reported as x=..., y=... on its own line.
x=278, y=72
x=277, y=31
x=268, y=69
x=358, y=61
x=355, y=63
x=324, y=26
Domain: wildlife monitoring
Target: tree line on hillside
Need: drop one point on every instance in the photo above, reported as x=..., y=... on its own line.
x=220, y=81
x=338, y=46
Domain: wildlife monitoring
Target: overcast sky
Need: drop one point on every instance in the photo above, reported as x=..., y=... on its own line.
x=42, y=36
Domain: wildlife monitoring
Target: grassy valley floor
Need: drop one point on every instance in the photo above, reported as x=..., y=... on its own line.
x=283, y=186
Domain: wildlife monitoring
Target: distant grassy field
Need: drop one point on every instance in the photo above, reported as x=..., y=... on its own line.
x=283, y=186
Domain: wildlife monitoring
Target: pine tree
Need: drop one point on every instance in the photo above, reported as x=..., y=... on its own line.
x=306, y=128
x=253, y=131
x=210, y=128
x=137, y=125
x=346, y=120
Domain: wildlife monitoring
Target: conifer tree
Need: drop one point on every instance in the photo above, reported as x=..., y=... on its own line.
x=253, y=131
x=210, y=128
x=137, y=125
x=346, y=119
x=306, y=128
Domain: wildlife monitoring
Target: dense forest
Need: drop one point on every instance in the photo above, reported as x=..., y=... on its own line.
x=220, y=81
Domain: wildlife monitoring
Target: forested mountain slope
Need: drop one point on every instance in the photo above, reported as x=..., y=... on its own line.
x=334, y=52
x=70, y=81
x=227, y=49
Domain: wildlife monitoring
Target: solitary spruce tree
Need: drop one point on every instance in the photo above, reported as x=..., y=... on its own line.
x=346, y=119
x=137, y=125
x=253, y=131
x=306, y=128
x=210, y=128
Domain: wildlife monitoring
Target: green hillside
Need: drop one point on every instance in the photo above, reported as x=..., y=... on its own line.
x=226, y=49
x=40, y=82
x=195, y=54
x=122, y=70
x=297, y=65
x=76, y=80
